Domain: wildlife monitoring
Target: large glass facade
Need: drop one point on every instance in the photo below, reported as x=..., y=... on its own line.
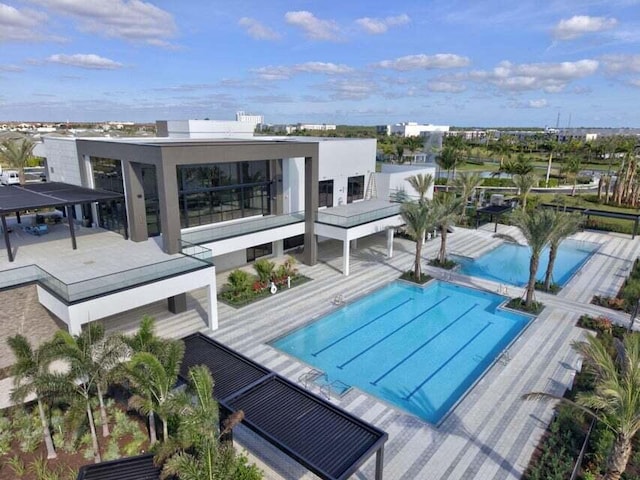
x=219, y=192
x=107, y=175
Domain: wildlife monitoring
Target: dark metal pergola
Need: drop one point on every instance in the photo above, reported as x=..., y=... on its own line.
x=20, y=198
x=588, y=212
x=494, y=211
x=327, y=440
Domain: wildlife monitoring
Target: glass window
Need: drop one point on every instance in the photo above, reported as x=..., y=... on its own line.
x=355, y=188
x=258, y=251
x=325, y=193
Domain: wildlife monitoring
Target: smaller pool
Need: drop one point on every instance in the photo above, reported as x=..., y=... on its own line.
x=509, y=263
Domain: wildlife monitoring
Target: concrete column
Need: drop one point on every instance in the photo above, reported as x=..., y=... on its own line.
x=278, y=248
x=212, y=303
x=390, y=232
x=345, y=258
x=134, y=194
x=169, y=207
x=75, y=325
x=177, y=303
x=354, y=243
x=310, y=209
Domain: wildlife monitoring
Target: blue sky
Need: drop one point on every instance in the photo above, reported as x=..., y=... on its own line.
x=463, y=63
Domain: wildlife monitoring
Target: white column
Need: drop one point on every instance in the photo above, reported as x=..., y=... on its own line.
x=345, y=258
x=278, y=248
x=75, y=324
x=213, y=303
x=390, y=232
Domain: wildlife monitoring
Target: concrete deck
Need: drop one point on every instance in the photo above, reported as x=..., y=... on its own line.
x=491, y=434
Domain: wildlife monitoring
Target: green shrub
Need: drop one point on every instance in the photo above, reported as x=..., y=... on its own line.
x=16, y=464
x=600, y=443
x=27, y=428
x=264, y=268
x=448, y=264
x=497, y=182
x=6, y=435
x=239, y=283
x=554, y=288
x=113, y=451
x=409, y=277
x=519, y=304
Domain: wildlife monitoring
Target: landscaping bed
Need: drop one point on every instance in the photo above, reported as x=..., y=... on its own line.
x=627, y=296
x=519, y=304
x=410, y=277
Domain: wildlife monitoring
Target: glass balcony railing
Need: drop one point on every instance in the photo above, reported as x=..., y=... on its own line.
x=91, y=287
x=347, y=221
x=243, y=227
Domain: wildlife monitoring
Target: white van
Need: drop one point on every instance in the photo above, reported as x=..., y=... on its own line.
x=10, y=177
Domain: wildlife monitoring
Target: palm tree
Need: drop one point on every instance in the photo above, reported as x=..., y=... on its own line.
x=466, y=183
x=615, y=400
x=32, y=377
x=524, y=184
x=93, y=357
x=400, y=153
x=564, y=225
x=421, y=183
x=145, y=338
x=571, y=168
x=196, y=453
x=537, y=228
x=446, y=207
x=153, y=378
x=448, y=159
x=419, y=219
x=17, y=153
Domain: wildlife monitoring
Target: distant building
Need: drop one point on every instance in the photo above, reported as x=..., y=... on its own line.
x=248, y=118
x=204, y=129
x=410, y=129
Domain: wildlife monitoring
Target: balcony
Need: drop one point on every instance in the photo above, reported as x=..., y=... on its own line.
x=360, y=213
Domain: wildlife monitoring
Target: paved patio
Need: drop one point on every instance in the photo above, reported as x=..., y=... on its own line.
x=491, y=434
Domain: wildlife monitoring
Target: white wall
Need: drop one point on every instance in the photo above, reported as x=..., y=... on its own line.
x=62, y=160
x=209, y=129
x=394, y=177
x=293, y=184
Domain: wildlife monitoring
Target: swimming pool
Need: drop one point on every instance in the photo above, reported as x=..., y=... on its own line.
x=417, y=348
x=509, y=263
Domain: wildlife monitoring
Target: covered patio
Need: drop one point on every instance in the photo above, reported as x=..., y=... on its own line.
x=18, y=199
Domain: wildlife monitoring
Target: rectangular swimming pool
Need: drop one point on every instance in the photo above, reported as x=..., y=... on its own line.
x=417, y=348
x=509, y=262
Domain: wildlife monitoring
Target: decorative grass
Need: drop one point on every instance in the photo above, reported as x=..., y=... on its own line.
x=519, y=304
x=554, y=288
x=409, y=277
x=447, y=264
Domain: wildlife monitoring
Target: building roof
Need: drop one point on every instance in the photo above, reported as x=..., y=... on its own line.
x=16, y=198
x=329, y=441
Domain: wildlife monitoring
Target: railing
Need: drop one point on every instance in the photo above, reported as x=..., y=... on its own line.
x=241, y=227
x=84, y=289
x=196, y=251
x=346, y=221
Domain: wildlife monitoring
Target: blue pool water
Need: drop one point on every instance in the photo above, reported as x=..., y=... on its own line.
x=509, y=263
x=417, y=348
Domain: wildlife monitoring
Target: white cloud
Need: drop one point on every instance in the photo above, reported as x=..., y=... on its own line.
x=621, y=63
x=11, y=68
x=314, y=28
x=579, y=25
x=132, y=20
x=635, y=82
x=376, y=26
x=257, y=30
x=540, y=103
x=416, y=62
x=550, y=77
x=89, y=61
x=20, y=25
x=285, y=72
x=445, y=87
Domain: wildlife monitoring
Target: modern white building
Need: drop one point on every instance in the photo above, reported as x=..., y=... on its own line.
x=410, y=129
x=205, y=128
x=249, y=118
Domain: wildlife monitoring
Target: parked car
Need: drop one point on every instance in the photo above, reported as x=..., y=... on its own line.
x=10, y=177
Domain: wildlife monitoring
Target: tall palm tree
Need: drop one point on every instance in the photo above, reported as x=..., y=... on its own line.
x=536, y=227
x=446, y=210
x=448, y=159
x=153, y=378
x=524, y=184
x=145, y=338
x=419, y=219
x=571, y=168
x=564, y=225
x=466, y=183
x=17, y=153
x=615, y=400
x=32, y=377
x=421, y=183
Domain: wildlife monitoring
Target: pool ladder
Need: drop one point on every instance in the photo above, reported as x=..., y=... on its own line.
x=310, y=376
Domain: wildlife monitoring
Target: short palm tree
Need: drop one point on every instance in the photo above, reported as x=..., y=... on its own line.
x=537, y=228
x=196, y=453
x=565, y=225
x=449, y=158
x=615, y=400
x=524, y=184
x=17, y=153
x=421, y=183
x=466, y=183
x=446, y=210
x=419, y=219
x=153, y=378
x=32, y=377
x=145, y=338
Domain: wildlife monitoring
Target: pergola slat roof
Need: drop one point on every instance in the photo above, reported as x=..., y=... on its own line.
x=327, y=440
x=18, y=198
